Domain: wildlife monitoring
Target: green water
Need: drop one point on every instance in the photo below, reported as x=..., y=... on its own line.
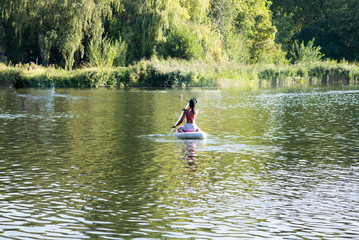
x=98, y=164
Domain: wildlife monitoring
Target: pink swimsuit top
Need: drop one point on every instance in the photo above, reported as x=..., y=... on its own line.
x=191, y=117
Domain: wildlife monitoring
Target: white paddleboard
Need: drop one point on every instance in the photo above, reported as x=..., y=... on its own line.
x=190, y=135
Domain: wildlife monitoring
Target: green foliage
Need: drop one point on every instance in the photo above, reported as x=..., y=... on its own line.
x=179, y=73
x=142, y=24
x=327, y=72
x=70, y=33
x=182, y=42
x=305, y=54
x=236, y=48
x=212, y=44
x=222, y=15
x=9, y=76
x=286, y=29
x=197, y=10
x=334, y=24
x=343, y=22
x=46, y=42
x=233, y=41
x=253, y=19
x=54, y=27
x=106, y=53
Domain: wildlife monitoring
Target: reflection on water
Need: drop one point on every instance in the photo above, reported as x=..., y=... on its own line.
x=191, y=147
x=99, y=164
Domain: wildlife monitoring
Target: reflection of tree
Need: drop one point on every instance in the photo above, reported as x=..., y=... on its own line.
x=90, y=158
x=85, y=153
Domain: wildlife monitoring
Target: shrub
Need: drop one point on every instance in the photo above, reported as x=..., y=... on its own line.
x=106, y=53
x=305, y=54
x=182, y=42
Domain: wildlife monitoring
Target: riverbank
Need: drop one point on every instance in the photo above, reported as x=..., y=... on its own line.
x=178, y=73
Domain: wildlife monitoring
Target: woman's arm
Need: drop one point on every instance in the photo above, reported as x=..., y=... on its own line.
x=182, y=118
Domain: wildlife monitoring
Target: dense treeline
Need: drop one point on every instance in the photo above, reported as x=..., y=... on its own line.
x=333, y=23
x=103, y=33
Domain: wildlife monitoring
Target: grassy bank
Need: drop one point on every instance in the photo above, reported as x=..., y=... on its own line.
x=157, y=73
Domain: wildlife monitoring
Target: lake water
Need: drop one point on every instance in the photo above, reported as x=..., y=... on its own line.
x=98, y=164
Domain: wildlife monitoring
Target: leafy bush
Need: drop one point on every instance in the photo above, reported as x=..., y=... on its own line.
x=182, y=42
x=305, y=54
x=106, y=53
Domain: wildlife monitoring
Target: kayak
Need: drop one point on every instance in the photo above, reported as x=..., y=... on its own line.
x=190, y=135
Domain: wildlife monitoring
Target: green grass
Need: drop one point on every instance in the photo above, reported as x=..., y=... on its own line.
x=179, y=73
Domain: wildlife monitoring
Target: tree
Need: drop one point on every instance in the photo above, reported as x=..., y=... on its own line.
x=343, y=23
x=222, y=15
x=142, y=25
x=253, y=20
x=197, y=10
x=64, y=31
x=334, y=24
x=62, y=25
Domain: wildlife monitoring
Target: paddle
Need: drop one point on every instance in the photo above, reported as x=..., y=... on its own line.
x=179, y=118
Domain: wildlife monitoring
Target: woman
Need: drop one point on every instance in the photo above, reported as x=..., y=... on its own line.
x=191, y=115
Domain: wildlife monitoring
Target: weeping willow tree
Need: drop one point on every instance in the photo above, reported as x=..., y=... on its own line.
x=58, y=28
x=63, y=32
x=144, y=23
x=169, y=28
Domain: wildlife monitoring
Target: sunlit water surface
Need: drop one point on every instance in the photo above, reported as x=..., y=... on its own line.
x=98, y=164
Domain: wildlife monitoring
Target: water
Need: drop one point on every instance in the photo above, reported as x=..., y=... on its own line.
x=98, y=164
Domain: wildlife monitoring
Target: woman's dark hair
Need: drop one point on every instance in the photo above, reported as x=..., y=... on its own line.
x=192, y=104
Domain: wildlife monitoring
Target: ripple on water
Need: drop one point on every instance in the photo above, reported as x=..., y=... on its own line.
x=276, y=165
